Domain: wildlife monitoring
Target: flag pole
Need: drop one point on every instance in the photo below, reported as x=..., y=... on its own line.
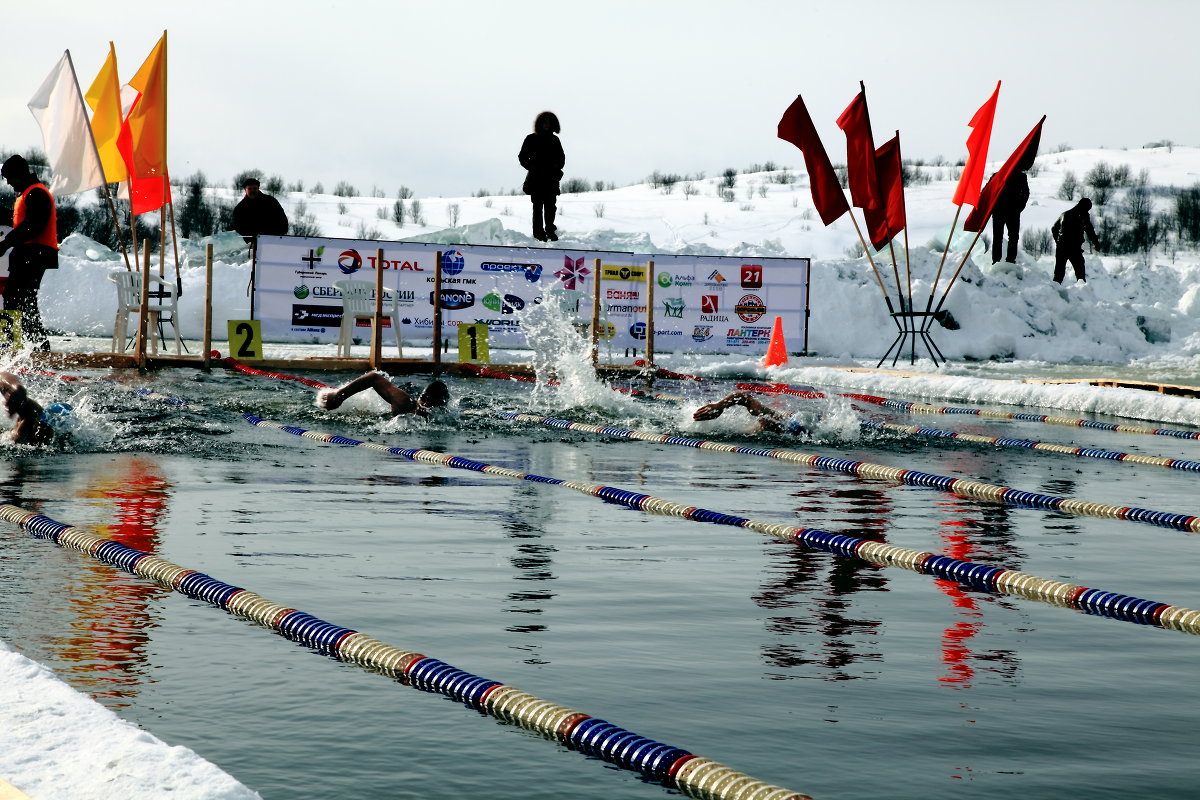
x=954, y=277
x=937, y=278
x=92, y=138
x=879, y=279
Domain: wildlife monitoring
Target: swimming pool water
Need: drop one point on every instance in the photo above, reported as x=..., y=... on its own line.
x=822, y=674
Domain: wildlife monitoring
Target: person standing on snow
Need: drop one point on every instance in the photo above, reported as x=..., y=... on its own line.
x=1007, y=214
x=34, y=244
x=542, y=154
x=257, y=213
x=1068, y=232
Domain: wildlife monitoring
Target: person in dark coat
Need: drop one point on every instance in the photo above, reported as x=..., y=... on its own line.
x=1068, y=232
x=34, y=244
x=1007, y=215
x=542, y=154
x=258, y=213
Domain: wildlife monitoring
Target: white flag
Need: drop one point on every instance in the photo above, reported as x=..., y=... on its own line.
x=60, y=112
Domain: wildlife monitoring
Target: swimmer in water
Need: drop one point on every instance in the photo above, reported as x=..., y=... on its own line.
x=768, y=418
x=434, y=396
x=34, y=425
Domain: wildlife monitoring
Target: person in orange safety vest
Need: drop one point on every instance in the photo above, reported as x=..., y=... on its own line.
x=34, y=244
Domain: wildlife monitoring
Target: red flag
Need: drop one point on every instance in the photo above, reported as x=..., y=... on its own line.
x=860, y=152
x=796, y=126
x=1020, y=160
x=977, y=150
x=888, y=219
x=145, y=194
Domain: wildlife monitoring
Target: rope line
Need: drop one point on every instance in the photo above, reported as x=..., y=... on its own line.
x=969, y=574
x=148, y=394
x=248, y=370
x=864, y=469
x=671, y=766
x=922, y=408
x=1045, y=447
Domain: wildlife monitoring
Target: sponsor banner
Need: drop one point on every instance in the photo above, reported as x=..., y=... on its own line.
x=701, y=303
x=723, y=304
x=296, y=299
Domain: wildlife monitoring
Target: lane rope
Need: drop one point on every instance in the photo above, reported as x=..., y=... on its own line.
x=922, y=408
x=671, y=766
x=972, y=575
x=864, y=469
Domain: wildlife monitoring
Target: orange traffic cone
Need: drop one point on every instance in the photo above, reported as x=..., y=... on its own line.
x=776, y=350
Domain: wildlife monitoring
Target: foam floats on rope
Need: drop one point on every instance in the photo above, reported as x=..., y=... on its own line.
x=976, y=576
x=922, y=408
x=864, y=469
x=1045, y=447
x=672, y=766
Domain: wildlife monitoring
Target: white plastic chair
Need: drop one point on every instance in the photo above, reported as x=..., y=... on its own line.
x=162, y=309
x=358, y=302
x=396, y=317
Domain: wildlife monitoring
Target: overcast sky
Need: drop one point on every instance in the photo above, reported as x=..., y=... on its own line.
x=437, y=94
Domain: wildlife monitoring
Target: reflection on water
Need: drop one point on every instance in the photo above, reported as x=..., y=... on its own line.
x=97, y=631
x=525, y=526
x=824, y=636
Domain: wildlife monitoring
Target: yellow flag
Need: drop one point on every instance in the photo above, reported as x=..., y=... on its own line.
x=104, y=98
x=148, y=118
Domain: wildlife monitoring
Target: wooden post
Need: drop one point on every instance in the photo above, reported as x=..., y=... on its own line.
x=437, y=308
x=175, y=245
x=596, y=316
x=143, y=306
x=208, y=271
x=650, y=314
x=377, y=319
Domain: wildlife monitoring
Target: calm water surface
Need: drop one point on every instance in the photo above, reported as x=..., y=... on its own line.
x=818, y=673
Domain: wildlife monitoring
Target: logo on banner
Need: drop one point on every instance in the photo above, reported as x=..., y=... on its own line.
x=709, y=303
x=573, y=272
x=665, y=279
x=300, y=291
x=745, y=337
x=453, y=262
x=349, y=262
x=673, y=307
x=638, y=330
x=316, y=316
x=716, y=277
x=454, y=299
x=702, y=333
x=314, y=257
x=405, y=297
x=508, y=304
x=752, y=276
x=532, y=271
x=750, y=308
x=613, y=272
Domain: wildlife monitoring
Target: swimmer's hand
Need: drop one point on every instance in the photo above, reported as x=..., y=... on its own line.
x=707, y=412
x=328, y=399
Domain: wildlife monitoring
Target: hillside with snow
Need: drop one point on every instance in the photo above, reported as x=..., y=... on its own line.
x=1138, y=307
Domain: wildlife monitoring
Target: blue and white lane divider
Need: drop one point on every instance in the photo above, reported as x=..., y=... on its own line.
x=672, y=766
x=969, y=574
x=960, y=486
x=1041, y=447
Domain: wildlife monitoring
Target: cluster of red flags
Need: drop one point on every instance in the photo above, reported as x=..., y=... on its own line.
x=126, y=139
x=875, y=175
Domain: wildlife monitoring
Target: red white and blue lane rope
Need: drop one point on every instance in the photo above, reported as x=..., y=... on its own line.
x=922, y=408
x=672, y=766
x=864, y=469
x=1045, y=447
x=146, y=394
x=972, y=575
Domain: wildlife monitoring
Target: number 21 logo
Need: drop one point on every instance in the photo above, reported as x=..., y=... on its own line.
x=752, y=276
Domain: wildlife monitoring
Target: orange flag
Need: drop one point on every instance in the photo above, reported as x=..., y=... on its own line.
x=104, y=98
x=148, y=117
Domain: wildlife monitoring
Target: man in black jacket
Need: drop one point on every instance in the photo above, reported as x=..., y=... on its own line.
x=1068, y=231
x=1007, y=214
x=34, y=244
x=258, y=213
